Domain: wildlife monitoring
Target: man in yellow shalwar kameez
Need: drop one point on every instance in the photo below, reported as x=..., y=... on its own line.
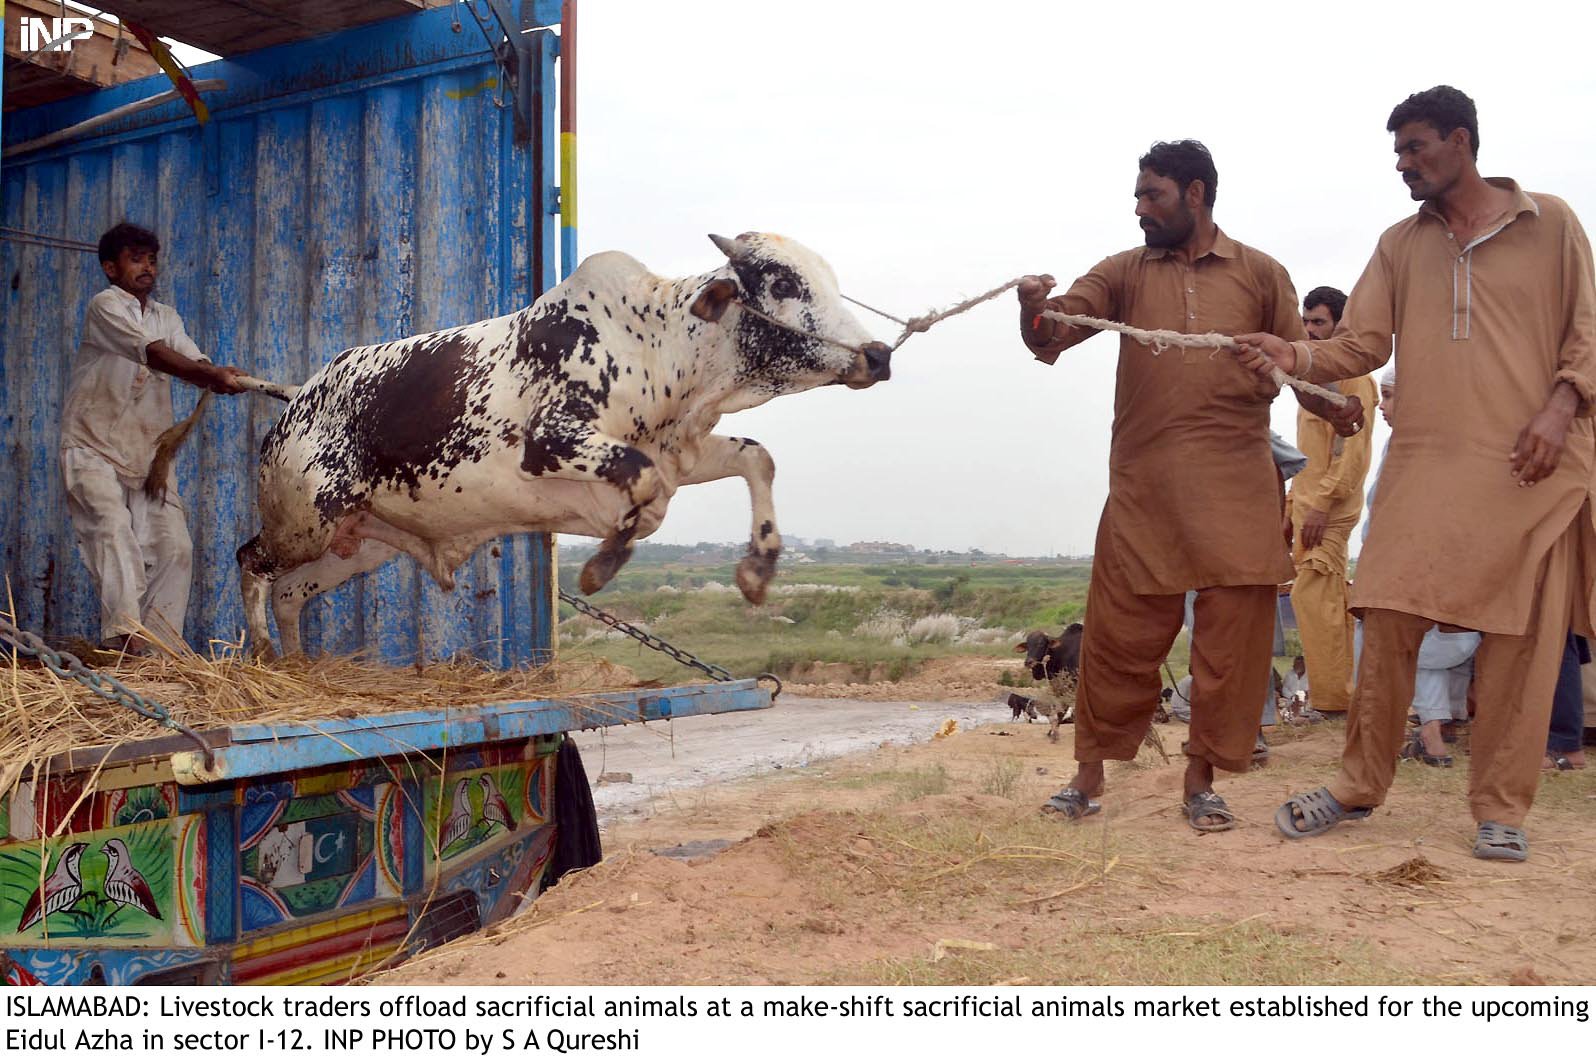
x=1325, y=503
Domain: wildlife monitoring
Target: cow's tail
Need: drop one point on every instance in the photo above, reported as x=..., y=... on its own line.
x=256, y=570
x=166, y=447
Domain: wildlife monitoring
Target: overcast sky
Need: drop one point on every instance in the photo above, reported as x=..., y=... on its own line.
x=934, y=150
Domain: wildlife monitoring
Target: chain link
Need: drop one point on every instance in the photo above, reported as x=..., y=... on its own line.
x=681, y=656
x=714, y=671
x=68, y=666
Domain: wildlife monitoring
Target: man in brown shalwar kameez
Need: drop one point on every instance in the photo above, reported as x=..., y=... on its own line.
x=1482, y=519
x=1193, y=499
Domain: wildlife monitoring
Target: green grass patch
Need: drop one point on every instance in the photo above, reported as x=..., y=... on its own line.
x=1000, y=777
x=857, y=614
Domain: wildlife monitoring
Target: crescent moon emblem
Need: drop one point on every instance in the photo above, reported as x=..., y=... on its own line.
x=325, y=837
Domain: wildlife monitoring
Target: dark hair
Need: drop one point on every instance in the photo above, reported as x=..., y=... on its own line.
x=1183, y=161
x=1332, y=299
x=119, y=238
x=1444, y=108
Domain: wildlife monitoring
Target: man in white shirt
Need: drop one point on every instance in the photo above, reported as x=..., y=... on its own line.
x=137, y=548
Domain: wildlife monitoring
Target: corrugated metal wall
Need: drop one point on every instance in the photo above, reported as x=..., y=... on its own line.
x=348, y=190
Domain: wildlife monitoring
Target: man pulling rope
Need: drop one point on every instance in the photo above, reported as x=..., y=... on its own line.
x=1159, y=339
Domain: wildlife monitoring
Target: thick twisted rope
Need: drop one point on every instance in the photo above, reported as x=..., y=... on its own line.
x=910, y=327
x=1161, y=339
x=924, y=322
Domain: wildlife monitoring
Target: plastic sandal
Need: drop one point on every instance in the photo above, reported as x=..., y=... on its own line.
x=1208, y=804
x=1414, y=750
x=1496, y=841
x=1318, y=810
x=1072, y=804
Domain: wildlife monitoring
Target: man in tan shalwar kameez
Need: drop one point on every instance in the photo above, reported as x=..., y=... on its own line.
x=1325, y=502
x=1482, y=519
x=1193, y=499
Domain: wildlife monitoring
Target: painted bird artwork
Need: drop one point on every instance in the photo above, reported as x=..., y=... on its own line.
x=458, y=824
x=124, y=885
x=494, y=806
x=60, y=890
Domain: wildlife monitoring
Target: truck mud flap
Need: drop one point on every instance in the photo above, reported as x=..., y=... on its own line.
x=576, y=832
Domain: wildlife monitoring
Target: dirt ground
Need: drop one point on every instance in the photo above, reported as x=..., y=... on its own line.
x=929, y=863
x=963, y=678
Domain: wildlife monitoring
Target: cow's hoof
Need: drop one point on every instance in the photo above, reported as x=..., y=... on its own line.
x=754, y=573
x=601, y=568
x=264, y=653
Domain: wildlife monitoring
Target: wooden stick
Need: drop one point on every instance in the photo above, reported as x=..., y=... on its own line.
x=72, y=132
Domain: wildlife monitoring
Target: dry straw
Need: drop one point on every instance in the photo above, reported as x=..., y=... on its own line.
x=43, y=715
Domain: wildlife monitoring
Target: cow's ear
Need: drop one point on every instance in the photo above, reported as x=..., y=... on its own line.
x=1020, y=648
x=714, y=299
x=1054, y=644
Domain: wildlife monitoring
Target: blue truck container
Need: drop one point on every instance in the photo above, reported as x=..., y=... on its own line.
x=348, y=189
x=355, y=187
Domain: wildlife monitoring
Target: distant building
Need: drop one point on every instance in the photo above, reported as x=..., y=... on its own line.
x=880, y=547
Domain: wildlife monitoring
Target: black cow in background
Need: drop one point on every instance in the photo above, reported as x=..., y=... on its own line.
x=1058, y=661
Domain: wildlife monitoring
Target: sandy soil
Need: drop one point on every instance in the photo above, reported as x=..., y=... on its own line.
x=965, y=678
x=930, y=862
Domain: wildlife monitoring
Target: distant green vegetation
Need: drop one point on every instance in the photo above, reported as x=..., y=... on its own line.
x=881, y=619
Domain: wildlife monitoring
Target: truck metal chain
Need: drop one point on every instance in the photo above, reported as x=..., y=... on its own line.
x=654, y=642
x=68, y=666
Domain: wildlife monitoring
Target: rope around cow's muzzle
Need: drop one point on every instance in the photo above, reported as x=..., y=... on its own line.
x=910, y=326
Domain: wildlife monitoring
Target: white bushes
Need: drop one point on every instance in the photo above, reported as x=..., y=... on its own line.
x=884, y=626
x=984, y=636
x=939, y=629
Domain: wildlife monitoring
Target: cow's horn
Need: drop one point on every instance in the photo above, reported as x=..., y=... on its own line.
x=727, y=247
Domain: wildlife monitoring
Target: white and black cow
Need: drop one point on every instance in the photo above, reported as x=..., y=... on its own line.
x=582, y=413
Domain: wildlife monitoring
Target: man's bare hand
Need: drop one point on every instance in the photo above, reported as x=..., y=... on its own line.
x=1033, y=291
x=1346, y=419
x=1540, y=446
x=1285, y=526
x=1262, y=353
x=1313, y=525
x=223, y=380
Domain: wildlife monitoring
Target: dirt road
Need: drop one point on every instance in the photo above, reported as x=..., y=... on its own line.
x=666, y=759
